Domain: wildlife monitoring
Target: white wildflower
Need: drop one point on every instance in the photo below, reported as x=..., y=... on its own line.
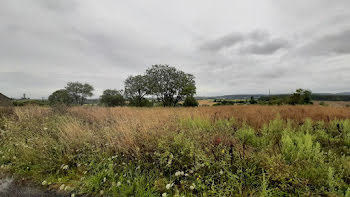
x=102, y=192
x=193, y=186
x=73, y=195
x=62, y=187
x=119, y=184
x=164, y=195
x=65, y=167
x=104, y=179
x=169, y=185
x=44, y=183
x=178, y=173
x=128, y=181
x=182, y=173
x=67, y=188
x=45, y=128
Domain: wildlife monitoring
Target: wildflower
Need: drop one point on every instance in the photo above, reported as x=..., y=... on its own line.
x=191, y=171
x=164, y=195
x=65, y=167
x=169, y=185
x=128, y=181
x=221, y=172
x=193, y=186
x=178, y=173
x=45, y=128
x=44, y=183
x=101, y=192
x=223, y=151
x=73, y=195
x=119, y=184
x=62, y=187
x=182, y=173
x=104, y=179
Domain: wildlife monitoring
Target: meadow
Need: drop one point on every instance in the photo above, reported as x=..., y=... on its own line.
x=245, y=150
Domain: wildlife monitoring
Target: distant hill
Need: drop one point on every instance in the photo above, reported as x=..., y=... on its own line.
x=342, y=96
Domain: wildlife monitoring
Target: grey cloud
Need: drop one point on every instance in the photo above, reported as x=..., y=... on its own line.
x=330, y=44
x=224, y=42
x=233, y=39
x=256, y=42
x=46, y=43
x=59, y=6
x=265, y=48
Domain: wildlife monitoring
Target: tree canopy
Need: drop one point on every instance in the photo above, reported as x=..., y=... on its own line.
x=60, y=97
x=169, y=84
x=79, y=91
x=112, y=98
x=136, y=89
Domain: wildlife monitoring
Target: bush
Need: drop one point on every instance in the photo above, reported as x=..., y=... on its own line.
x=190, y=101
x=112, y=98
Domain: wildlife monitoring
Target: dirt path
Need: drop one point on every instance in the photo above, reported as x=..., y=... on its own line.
x=11, y=188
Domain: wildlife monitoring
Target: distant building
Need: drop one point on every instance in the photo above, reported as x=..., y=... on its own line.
x=4, y=100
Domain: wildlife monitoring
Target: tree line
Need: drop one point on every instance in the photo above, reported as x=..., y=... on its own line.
x=167, y=84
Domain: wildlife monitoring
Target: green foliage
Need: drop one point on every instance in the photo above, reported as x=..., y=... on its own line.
x=300, y=97
x=29, y=102
x=169, y=84
x=79, y=91
x=112, y=98
x=300, y=147
x=60, y=97
x=135, y=90
x=190, y=101
x=192, y=156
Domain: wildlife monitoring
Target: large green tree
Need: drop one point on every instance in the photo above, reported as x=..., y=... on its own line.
x=300, y=96
x=136, y=88
x=112, y=98
x=60, y=97
x=79, y=91
x=169, y=84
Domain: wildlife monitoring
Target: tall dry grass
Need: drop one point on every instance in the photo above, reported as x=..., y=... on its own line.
x=39, y=142
x=254, y=115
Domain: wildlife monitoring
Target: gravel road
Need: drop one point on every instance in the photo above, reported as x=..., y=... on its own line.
x=11, y=188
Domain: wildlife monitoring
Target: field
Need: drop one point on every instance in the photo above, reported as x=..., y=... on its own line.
x=247, y=150
x=334, y=103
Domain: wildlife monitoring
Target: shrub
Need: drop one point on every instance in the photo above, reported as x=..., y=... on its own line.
x=190, y=101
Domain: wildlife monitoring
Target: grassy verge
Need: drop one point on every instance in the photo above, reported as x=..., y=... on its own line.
x=179, y=152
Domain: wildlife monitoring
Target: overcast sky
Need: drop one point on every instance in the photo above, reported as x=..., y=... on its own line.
x=231, y=46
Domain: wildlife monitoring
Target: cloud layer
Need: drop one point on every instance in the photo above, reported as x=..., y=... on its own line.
x=232, y=47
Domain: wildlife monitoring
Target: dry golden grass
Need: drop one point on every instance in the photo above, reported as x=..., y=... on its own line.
x=88, y=139
x=334, y=103
x=254, y=115
x=206, y=102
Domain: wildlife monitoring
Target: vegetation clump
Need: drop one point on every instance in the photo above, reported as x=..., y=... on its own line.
x=217, y=151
